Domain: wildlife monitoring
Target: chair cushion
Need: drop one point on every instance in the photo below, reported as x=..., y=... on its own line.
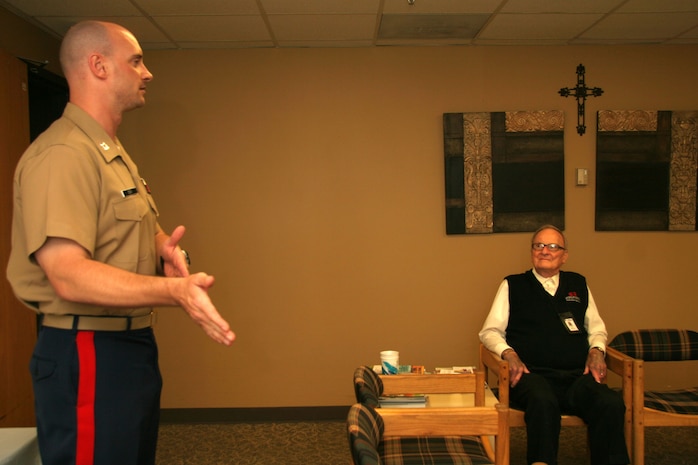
x=443, y=450
x=658, y=345
x=365, y=429
x=682, y=401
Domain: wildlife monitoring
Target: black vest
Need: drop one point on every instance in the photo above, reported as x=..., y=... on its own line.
x=536, y=328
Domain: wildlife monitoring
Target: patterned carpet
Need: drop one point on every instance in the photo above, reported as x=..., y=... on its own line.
x=325, y=443
x=288, y=443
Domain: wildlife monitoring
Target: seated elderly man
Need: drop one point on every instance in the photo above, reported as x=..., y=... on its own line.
x=545, y=323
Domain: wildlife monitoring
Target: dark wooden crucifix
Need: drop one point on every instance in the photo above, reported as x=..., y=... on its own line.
x=581, y=92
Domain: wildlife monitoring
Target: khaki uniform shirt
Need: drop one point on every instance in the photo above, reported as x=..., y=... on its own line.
x=75, y=182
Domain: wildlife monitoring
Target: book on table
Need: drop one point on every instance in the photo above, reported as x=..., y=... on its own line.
x=403, y=400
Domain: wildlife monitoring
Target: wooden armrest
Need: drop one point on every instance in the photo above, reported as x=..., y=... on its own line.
x=618, y=362
x=490, y=359
x=500, y=368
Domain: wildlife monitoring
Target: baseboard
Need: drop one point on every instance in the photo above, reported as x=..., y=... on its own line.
x=253, y=414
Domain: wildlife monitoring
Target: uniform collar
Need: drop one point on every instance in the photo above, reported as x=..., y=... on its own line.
x=109, y=148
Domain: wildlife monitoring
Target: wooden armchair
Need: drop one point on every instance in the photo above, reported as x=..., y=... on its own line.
x=658, y=408
x=616, y=363
x=436, y=436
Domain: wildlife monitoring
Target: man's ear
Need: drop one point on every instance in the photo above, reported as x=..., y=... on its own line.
x=98, y=65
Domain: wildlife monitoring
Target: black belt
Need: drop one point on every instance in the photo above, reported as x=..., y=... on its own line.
x=98, y=323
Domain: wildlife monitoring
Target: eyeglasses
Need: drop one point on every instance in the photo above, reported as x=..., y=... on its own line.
x=551, y=247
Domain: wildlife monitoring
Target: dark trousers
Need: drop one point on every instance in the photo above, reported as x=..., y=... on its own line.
x=97, y=396
x=545, y=397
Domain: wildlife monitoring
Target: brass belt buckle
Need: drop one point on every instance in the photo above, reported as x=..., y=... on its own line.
x=153, y=318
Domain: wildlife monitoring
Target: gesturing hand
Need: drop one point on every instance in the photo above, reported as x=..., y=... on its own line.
x=194, y=299
x=174, y=262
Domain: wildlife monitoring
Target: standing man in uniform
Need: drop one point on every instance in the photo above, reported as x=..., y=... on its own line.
x=545, y=323
x=89, y=256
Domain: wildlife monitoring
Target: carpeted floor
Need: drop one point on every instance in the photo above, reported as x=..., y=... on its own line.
x=287, y=443
x=325, y=443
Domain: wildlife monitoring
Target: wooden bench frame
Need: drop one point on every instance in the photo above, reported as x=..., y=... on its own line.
x=460, y=421
x=444, y=384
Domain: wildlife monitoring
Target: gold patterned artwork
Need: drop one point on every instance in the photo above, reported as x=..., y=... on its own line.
x=627, y=120
x=540, y=120
x=647, y=170
x=683, y=168
x=477, y=153
x=503, y=171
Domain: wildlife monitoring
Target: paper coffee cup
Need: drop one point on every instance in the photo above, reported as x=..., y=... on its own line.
x=390, y=360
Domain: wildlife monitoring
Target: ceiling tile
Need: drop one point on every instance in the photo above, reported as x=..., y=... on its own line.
x=653, y=6
x=141, y=27
x=214, y=28
x=325, y=43
x=164, y=24
x=323, y=27
x=320, y=7
x=642, y=26
x=517, y=42
x=201, y=45
x=75, y=7
x=690, y=34
x=528, y=26
x=560, y=6
x=440, y=6
x=422, y=42
x=198, y=7
x=431, y=26
x=148, y=46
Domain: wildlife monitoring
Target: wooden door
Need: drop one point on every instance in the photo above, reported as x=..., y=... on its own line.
x=17, y=323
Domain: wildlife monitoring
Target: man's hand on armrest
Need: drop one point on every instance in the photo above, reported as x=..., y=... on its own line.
x=516, y=367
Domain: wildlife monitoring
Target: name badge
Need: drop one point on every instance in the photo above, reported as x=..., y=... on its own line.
x=127, y=192
x=569, y=323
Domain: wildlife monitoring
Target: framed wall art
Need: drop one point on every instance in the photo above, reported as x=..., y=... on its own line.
x=504, y=171
x=647, y=170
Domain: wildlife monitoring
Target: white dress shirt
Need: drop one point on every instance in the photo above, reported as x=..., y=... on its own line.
x=493, y=332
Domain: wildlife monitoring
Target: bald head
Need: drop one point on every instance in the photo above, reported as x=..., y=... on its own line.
x=103, y=63
x=82, y=40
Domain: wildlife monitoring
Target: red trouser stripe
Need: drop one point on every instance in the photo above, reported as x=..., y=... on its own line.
x=85, y=451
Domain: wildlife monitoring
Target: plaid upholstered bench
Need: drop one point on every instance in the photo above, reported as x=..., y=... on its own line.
x=448, y=435
x=677, y=407
x=371, y=444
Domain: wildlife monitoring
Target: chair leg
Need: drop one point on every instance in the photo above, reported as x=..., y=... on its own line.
x=487, y=446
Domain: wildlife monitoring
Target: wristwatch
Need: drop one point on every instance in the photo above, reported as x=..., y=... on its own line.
x=186, y=257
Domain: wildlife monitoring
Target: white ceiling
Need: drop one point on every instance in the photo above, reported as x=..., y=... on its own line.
x=198, y=24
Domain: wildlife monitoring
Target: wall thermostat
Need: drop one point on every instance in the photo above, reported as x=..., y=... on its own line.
x=582, y=176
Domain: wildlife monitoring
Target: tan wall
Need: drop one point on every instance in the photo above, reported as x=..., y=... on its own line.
x=24, y=40
x=311, y=182
x=17, y=325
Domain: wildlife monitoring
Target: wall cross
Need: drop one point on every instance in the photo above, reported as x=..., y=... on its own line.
x=581, y=92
